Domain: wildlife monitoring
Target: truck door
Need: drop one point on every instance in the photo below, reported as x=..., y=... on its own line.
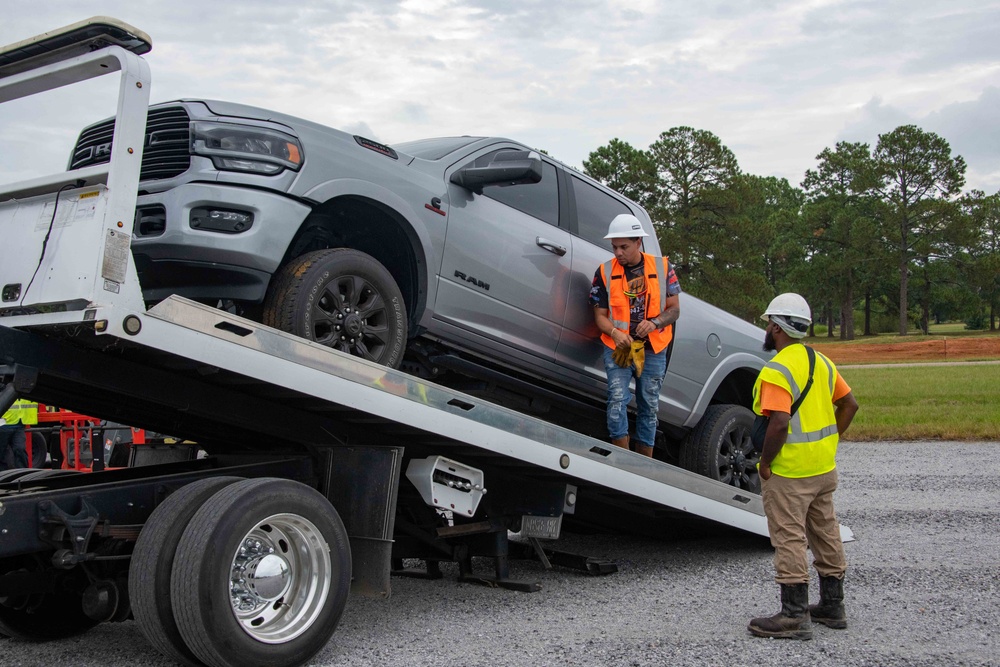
x=506, y=263
x=595, y=209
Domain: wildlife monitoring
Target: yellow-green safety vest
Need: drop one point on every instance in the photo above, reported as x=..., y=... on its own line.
x=22, y=412
x=811, y=446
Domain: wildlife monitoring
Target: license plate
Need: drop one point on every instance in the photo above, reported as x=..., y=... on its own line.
x=541, y=527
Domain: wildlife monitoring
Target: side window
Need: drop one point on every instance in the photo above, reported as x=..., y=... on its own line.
x=540, y=200
x=594, y=211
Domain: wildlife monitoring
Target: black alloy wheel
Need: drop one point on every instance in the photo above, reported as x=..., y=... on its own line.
x=720, y=448
x=341, y=298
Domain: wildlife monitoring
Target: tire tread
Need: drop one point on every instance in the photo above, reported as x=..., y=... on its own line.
x=196, y=606
x=285, y=296
x=149, y=573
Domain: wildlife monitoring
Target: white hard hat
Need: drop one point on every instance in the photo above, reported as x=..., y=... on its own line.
x=625, y=226
x=790, y=312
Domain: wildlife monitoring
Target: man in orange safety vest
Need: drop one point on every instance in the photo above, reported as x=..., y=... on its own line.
x=635, y=299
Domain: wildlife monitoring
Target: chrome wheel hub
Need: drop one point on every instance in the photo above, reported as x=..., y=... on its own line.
x=280, y=578
x=268, y=577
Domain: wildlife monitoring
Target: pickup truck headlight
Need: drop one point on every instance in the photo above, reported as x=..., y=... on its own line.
x=257, y=150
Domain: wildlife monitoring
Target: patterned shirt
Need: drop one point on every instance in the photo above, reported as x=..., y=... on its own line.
x=636, y=281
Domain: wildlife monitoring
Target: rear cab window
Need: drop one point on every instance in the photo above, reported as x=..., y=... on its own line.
x=594, y=211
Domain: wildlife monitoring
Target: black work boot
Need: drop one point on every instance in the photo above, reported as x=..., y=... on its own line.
x=830, y=610
x=792, y=622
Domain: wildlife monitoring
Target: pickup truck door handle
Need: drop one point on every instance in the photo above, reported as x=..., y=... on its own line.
x=550, y=246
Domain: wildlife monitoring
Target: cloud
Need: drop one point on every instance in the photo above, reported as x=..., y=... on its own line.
x=776, y=80
x=972, y=129
x=873, y=119
x=361, y=129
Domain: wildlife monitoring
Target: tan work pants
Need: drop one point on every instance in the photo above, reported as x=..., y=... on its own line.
x=799, y=515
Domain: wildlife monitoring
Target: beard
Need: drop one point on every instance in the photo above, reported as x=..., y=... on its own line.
x=768, y=342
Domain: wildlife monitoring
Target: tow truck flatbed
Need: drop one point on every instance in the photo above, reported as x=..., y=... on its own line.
x=335, y=400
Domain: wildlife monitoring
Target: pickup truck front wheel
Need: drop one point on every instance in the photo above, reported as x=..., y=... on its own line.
x=341, y=298
x=719, y=447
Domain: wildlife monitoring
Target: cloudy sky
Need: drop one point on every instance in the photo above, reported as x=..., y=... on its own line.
x=776, y=80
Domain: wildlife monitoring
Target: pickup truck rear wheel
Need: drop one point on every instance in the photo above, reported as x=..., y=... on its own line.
x=341, y=298
x=719, y=447
x=261, y=575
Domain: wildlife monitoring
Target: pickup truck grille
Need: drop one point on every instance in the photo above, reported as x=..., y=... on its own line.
x=167, y=151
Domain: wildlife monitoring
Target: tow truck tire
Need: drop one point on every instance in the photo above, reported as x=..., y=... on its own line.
x=45, y=616
x=341, y=298
x=36, y=474
x=261, y=575
x=719, y=447
x=153, y=561
x=12, y=474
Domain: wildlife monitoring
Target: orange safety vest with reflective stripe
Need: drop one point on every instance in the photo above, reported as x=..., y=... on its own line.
x=811, y=445
x=22, y=412
x=655, y=271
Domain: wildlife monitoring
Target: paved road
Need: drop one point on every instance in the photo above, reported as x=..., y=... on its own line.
x=922, y=589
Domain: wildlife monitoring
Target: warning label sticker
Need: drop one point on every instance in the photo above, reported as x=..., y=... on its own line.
x=116, y=249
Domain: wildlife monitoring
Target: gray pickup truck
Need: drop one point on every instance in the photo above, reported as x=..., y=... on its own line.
x=467, y=260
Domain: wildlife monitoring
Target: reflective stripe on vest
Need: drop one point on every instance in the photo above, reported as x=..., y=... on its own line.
x=659, y=338
x=811, y=444
x=829, y=370
x=617, y=324
x=661, y=279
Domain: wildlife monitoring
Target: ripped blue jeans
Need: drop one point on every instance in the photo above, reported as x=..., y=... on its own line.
x=647, y=397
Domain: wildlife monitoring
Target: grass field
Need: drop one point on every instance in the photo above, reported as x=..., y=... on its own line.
x=926, y=402
x=943, y=329
x=907, y=402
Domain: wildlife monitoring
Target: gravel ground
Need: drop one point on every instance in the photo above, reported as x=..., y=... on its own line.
x=921, y=590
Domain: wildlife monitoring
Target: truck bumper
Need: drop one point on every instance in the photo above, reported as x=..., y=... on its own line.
x=181, y=248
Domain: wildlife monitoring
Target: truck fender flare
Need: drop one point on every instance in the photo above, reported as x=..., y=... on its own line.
x=415, y=225
x=350, y=186
x=732, y=363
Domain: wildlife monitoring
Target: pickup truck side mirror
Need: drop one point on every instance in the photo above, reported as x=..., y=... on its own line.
x=507, y=168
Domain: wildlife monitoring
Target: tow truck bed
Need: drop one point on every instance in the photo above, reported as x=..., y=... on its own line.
x=202, y=374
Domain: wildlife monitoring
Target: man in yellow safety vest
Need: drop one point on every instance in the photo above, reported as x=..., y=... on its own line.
x=12, y=435
x=798, y=471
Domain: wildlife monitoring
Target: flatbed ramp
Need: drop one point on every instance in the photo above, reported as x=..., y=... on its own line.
x=199, y=373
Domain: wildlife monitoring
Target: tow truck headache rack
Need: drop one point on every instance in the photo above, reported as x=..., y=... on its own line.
x=293, y=492
x=80, y=442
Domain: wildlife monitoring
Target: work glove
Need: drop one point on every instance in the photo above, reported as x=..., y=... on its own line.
x=633, y=355
x=622, y=356
x=638, y=356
